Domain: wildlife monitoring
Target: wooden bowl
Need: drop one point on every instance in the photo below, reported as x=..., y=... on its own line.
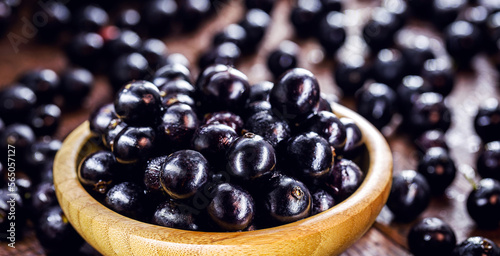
x=328, y=233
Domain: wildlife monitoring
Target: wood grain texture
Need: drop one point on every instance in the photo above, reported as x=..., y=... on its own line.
x=327, y=233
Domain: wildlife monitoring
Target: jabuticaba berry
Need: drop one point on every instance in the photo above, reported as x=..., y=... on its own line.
x=438, y=168
x=271, y=127
x=250, y=157
x=44, y=82
x=410, y=195
x=178, y=86
x=305, y=16
x=429, y=139
x=231, y=207
x=174, y=215
x=377, y=103
x=483, y=205
x=287, y=200
x=126, y=68
x=126, y=198
x=476, y=245
x=100, y=119
x=179, y=122
x=225, y=117
x=379, y=31
x=76, y=85
x=328, y=126
x=184, y=173
x=310, y=156
x=55, y=233
x=354, y=138
x=225, y=90
x=133, y=144
x=351, y=73
x=98, y=171
x=16, y=102
x=344, y=178
x=331, y=32
x=429, y=112
x=284, y=58
x=488, y=161
x=321, y=201
x=408, y=91
x=139, y=103
x=45, y=119
x=212, y=140
x=109, y=134
x=171, y=72
x=431, y=236
x=296, y=94
x=227, y=53
x=155, y=52
x=487, y=120
x=389, y=67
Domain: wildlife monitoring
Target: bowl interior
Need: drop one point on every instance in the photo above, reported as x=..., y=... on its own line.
x=327, y=233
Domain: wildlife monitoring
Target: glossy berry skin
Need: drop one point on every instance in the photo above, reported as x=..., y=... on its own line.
x=488, y=161
x=463, y=41
x=205, y=75
x=287, y=200
x=139, y=103
x=408, y=91
x=260, y=91
x=43, y=82
x=84, y=49
x=133, y=144
x=43, y=197
x=445, y=12
x=177, y=58
x=483, y=205
x=171, y=72
x=439, y=73
x=231, y=207
x=184, y=173
x=477, y=246
x=98, y=171
x=255, y=23
x=233, y=33
x=212, y=140
x=428, y=113
x=410, y=195
x=178, y=98
x=16, y=102
x=487, y=120
x=179, y=122
x=431, y=236
x=171, y=214
x=178, y=86
x=227, y=53
x=76, y=84
x=351, y=73
x=127, y=68
x=305, y=16
x=155, y=52
x=100, y=118
x=438, y=168
x=159, y=15
x=55, y=233
x=389, y=67
x=45, y=119
x=193, y=12
x=255, y=107
x=344, y=178
x=20, y=136
x=376, y=103
x=378, y=32
x=114, y=128
x=271, y=127
x=39, y=153
x=90, y=18
x=321, y=201
x=152, y=174
x=429, y=139
x=225, y=117
x=250, y=157
x=283, y=58
x=226, y=90
x=126, y=198
x=328, y=126
x=296, y=94
x=354, y=138
x=331, y=32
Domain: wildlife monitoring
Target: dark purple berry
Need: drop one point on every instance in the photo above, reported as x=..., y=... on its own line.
x=98, y=171
x=431, y=236
x=438, y=168
x=139, y=103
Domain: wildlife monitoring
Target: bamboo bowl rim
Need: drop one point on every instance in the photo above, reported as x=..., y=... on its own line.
x=112, y=233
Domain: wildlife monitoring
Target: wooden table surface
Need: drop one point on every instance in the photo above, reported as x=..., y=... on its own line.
x=385, y=237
